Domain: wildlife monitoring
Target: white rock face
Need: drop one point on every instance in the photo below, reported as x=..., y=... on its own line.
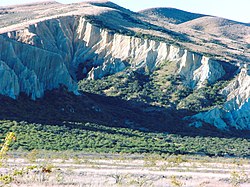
x=9, y=81
x=50, y=53
x=236, y=111
x=56, y=48
x=30, y=70
x=209, y=71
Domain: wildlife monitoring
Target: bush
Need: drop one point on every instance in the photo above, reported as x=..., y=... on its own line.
x=90, y=137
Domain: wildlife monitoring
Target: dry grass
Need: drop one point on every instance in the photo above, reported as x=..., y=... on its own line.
x=91, y=170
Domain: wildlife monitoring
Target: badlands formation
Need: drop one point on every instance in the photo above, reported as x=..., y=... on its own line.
x=58, y=44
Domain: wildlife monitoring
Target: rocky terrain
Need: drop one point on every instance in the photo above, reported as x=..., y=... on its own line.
x=48, y=45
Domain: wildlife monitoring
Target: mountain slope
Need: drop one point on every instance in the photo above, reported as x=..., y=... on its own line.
x=170, y=15
x=220, y=27
x=92, y=52
x=168, y=66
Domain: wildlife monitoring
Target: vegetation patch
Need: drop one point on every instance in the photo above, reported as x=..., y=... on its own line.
x=90, y=137
x=162, y=87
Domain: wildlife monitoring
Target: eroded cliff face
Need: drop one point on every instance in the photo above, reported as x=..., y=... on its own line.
x=101, y=52
x=61, y=51
x=31, y=70
x=236, y=111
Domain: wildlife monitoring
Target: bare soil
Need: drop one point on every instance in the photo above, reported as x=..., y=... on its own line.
x=132, y=171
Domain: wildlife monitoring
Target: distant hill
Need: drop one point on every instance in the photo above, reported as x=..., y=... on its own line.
x=171, y=15
x=219, y=26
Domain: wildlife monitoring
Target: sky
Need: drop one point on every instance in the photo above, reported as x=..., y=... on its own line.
x=238, y=10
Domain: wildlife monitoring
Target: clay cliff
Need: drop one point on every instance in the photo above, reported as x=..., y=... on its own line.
x=235, y=111
x=61, y=49
x=49, y=53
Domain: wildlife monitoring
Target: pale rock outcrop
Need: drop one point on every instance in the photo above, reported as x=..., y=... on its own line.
x=32, y=70
x=208, y=72
x=49, y=53
x=110, y=52
x=8, y=81
x=236, y=111
x=199, y=70
x=71, y=41
x=239, y=89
